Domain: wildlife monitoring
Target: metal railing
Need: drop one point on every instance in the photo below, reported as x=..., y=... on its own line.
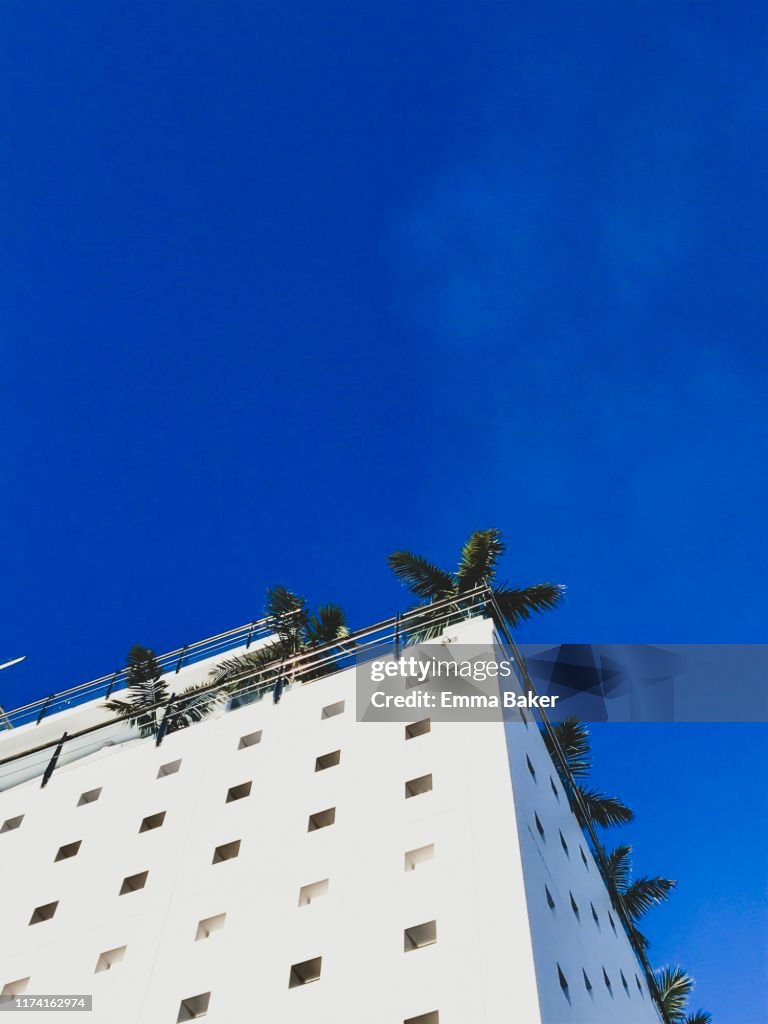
x=105, y=686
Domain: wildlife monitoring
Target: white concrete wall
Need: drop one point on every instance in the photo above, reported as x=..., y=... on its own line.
x=577, y=944
x=481, y=969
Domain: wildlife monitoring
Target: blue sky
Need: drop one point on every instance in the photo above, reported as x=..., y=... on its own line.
x=287, y=286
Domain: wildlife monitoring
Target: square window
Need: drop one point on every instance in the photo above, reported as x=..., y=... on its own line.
x=322, y=819
x=331, y=710
x=15, y=988
x=134, y=882
x=168, y=769
x=44, y=913
x=70, y=850
x=305, y=972
x=309, y=893
x=328, y=761
x=421, y=855
x=193, y=1007
x=418, y=729
x=424, y=1018
x=12, y=823
x=226, y=852
x=420, y=935
x=90, y=797
x=109, y=958
x=152, y=821
x=417, y=787
x=238, y=792
x=250, y=740
x=209, y=925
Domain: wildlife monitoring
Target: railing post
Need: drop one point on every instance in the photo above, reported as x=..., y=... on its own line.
x=397, y=637
x=52, y=763
x=163, y=728
x=250, y=635
x=44, y=708
x=112, y=682
x=181, y=658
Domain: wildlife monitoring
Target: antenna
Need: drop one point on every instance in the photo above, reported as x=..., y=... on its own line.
x=14, y=661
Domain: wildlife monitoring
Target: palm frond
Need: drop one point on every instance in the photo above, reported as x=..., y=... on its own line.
x=422, y=577
x=700, y=1017
x=619, y=867
x=645, y=893
x=675, y=986
x=327, y=625
x=573, y=737
x=478, y=559
x=518, y=604
x=192, y=706
x=603, y=810
x=287, y=615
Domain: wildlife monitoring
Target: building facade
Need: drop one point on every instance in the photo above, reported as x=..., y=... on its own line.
x=287, y=863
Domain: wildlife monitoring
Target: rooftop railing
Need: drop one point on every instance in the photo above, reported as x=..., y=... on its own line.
x=172, y=662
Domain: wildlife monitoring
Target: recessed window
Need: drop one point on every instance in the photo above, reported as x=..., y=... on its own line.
x=309, y=893
x=305, y=972
x=611, y=921
x=420, y=935
x=574, y=905
x=584, y=857
x=421, y=855
x=152, y=821
x=531, y=769
x=134, y=882
x=595, y=918
x=250, y=740
x=523, y=718
x=417, y=787
x=550, y=901
x=328, y=761
x=15, y=988
x=331, y=710
x=168, y=769
x=238, y=792
x=12, y=823
x=607, y=981
x=228, y=851
x=321, y=819
x=564, y=844
x=587, y=982
x=70, y=850
x=424, y=1018
x=109, y=959
x=624, y=982
x=563, y=983
x=209, y=925
x=639, y=986
x=90, y=797
x=194, y=1007
x=554, y=787
x=418, y=729
x=44, y=913
x=539, y=826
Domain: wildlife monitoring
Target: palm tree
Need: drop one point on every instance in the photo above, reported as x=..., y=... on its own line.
x=477, y=566
x=148, y=693
x=588, y=804
x=639, y=896
x=675, y=987
x=296, y=631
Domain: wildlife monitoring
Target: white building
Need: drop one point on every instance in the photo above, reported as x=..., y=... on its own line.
x=287, y=864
